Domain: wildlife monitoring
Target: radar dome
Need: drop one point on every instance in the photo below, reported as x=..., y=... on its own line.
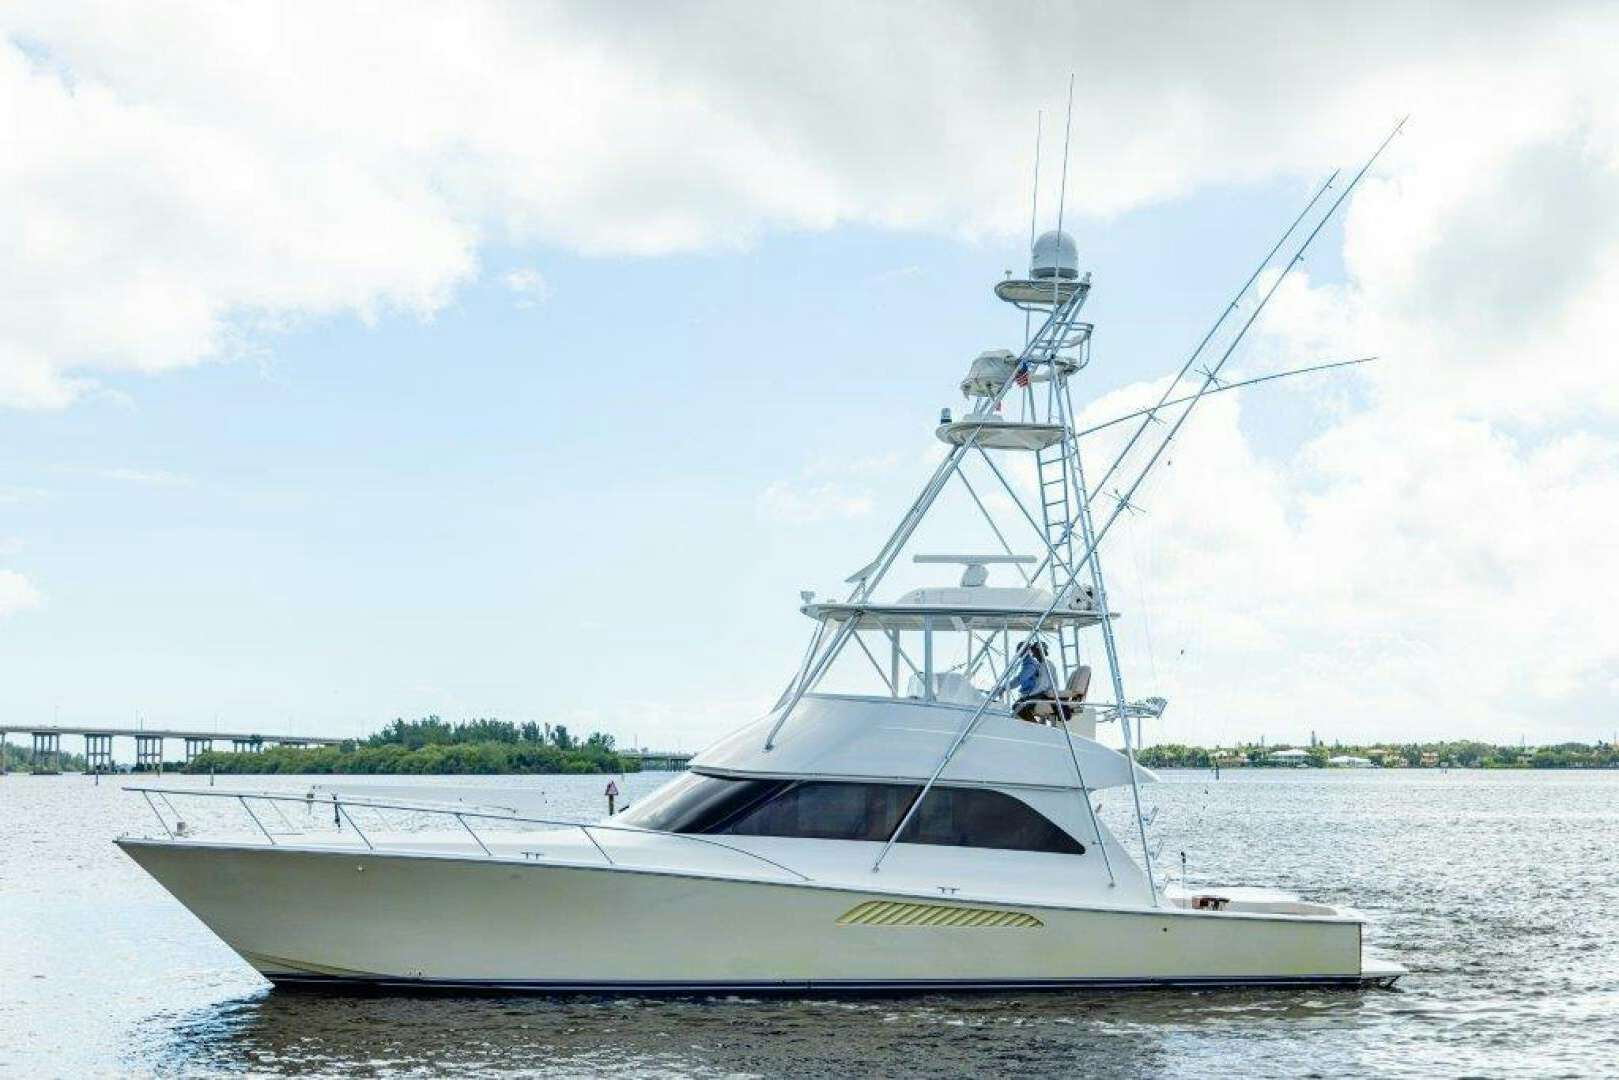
x=1055, y=256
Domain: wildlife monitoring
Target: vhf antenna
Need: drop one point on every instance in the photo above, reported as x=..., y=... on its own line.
x=1062, y=189
x=1034, y=207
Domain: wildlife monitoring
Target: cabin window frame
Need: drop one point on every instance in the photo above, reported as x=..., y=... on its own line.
x=953, y=816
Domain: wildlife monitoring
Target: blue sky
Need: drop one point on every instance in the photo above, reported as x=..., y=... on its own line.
x=331, y=401
x=449, y=514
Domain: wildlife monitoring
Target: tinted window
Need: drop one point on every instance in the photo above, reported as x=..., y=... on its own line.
x=973, y=817
x=827, y=811
x=697, y=804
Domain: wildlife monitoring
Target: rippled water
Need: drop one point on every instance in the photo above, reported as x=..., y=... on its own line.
x=1498, y=890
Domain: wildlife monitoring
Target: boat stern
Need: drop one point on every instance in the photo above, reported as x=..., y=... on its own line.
x=1374, y=971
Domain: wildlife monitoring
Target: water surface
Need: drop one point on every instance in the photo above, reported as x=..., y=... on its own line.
x=1497, y=889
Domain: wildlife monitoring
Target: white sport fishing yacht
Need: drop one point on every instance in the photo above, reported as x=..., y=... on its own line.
x=932, y=830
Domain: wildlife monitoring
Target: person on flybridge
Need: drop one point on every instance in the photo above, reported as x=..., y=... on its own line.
x=1033, y=682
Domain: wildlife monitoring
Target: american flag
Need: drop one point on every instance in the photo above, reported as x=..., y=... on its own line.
x=1022, y=376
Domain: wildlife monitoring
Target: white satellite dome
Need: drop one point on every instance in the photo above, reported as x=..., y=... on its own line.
x=1055, y=256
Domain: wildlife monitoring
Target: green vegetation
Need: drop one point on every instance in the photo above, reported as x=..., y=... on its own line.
x=21, y=759
x=431, y=745
x=1175, y=756
x=1461, y=754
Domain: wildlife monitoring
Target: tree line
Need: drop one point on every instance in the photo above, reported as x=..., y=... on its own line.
x=432, y=745
x=23, y=759
x=1461, y=754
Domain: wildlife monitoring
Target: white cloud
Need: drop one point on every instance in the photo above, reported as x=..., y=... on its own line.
x=832, y=489
x=1426, y=564
x=802, y=504
x=17, y=593
x=529, y=286
x=181, y=181
x=1408, y=572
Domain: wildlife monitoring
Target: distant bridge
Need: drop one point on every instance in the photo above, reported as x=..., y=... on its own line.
x=148, y=743
x=47, y=743
x=659, y=759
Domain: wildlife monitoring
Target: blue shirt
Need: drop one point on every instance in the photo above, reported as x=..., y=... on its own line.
x=1032, y=677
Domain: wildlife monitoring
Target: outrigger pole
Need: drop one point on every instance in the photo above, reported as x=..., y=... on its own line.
x=1229, y=308
x=1219, y=388
x=1222, y=388
x=1123, y=503
x=1211, y=375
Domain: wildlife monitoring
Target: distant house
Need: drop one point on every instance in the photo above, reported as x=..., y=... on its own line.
x=1290, y=757
x=1430, y=759
x=1350, y=761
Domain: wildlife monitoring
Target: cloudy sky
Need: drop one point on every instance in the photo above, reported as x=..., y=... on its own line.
x=526, y=360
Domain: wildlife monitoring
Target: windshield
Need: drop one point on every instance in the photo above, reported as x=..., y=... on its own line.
x=695, y=803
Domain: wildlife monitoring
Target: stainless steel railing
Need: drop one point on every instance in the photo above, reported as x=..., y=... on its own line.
x=342, y=805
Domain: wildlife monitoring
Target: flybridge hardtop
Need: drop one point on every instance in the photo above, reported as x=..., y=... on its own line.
x=917, y=811
x=843, y=737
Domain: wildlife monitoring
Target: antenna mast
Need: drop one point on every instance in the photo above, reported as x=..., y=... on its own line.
x=1034, y=206
x=1062, y=188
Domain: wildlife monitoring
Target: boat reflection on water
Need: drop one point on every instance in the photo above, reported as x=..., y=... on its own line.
x=1076, y=1033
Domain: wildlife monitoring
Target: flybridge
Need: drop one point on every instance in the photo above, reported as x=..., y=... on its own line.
x=1037, y=380
x=957, y=644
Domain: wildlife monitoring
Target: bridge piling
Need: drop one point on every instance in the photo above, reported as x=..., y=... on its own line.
x=97, y=753
x=149, y=752
x=47, y=748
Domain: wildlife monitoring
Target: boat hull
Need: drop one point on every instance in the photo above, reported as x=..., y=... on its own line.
x=320, y=917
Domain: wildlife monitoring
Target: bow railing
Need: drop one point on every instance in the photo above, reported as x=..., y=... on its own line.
x=342, y=808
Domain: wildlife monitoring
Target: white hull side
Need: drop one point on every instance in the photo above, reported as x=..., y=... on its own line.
x=303, y=915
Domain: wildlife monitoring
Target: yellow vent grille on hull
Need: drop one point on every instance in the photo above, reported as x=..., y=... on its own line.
x=895, y=913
